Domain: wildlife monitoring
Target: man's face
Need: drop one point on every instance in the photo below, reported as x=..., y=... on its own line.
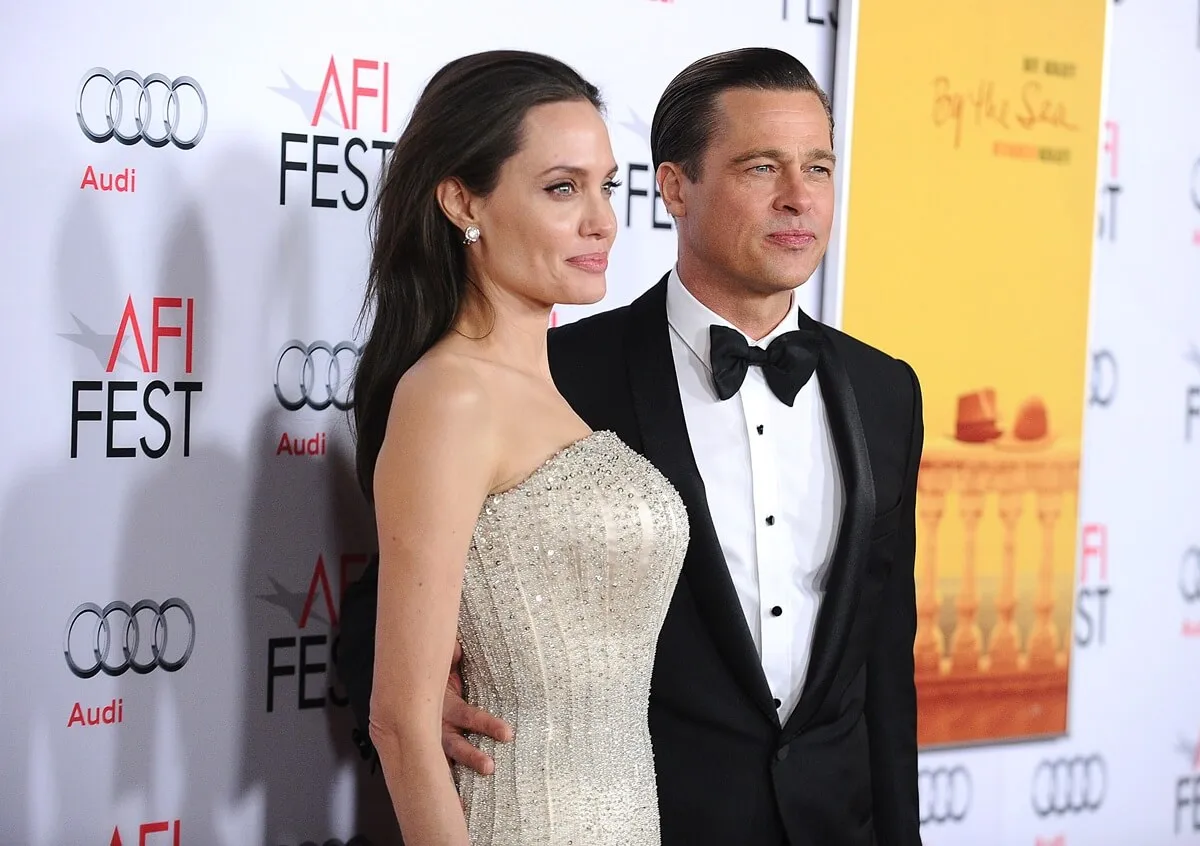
x=758, y=218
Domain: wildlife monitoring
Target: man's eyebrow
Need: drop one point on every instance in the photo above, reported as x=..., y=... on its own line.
x=817, y=153
x=763, y=153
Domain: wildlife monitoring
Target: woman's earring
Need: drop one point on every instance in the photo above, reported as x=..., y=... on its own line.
x=472, y=234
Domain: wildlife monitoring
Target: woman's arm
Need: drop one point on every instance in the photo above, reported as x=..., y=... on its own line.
x=435, y=469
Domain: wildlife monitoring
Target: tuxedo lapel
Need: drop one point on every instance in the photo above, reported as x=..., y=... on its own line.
x=849, y=559
x=665, y=443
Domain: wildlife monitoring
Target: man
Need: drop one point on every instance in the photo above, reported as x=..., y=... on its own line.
x=783, y=706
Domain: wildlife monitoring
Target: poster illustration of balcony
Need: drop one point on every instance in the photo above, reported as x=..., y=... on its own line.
x=968, y=251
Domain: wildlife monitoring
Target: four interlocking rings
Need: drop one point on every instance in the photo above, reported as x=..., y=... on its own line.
x=105, y=635
x=946, y=794
x=1069, y=785
x=156, y=116
x=297, y=383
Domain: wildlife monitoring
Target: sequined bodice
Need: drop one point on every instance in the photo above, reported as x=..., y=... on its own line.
x=567, y=583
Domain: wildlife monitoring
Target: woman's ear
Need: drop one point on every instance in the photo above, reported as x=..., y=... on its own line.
x=456, y=203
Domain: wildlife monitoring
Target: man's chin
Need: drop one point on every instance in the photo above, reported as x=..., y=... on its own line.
x=787, y=278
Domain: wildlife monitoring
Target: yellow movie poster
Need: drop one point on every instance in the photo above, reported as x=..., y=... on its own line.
x=971, y=216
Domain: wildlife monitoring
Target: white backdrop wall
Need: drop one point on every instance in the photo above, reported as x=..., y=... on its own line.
x=241, y=246
x=245, y=245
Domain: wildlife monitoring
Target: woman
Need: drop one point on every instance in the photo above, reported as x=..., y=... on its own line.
x=562, y=544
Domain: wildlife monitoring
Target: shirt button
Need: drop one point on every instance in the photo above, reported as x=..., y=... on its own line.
x=777, y=703
x=776, y=611
x=760, y=429
x=770, y=520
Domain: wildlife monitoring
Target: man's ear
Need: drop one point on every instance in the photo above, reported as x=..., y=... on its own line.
x=672, y=185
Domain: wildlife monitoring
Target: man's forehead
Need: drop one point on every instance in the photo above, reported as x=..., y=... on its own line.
x=749, y=104
x=743, y=119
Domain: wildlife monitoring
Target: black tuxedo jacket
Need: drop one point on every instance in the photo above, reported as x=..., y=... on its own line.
x=842, y=771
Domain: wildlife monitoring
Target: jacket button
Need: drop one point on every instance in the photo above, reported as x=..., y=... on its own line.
x=782, y=754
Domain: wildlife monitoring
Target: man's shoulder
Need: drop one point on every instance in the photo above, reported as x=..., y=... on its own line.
x=885, y=388
x=588, y=364
x=596, y=333
x=864, y=361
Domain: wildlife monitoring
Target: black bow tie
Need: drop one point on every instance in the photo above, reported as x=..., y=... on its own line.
x=788, y=362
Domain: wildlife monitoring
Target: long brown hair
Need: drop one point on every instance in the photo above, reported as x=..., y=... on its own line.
x=465, y=125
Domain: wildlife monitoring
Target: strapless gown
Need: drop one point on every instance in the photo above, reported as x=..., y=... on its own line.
x=567, y=582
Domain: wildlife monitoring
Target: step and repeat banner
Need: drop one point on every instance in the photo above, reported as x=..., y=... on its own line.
x=185, y=228
x=1021, y=221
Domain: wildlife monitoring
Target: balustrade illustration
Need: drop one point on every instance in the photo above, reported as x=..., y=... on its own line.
x=974, y=684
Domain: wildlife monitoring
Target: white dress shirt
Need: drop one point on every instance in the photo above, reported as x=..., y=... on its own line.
x=774, y=490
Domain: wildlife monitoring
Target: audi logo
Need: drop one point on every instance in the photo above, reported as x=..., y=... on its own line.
x=131, y=108
x=945, y=793
x=117, y=629
x=316, y=375
x=1189, y=574
x=1069, y=785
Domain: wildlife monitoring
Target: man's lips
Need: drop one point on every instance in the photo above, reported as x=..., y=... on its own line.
x=793, y=237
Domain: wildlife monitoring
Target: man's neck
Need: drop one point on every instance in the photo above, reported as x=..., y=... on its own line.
x=754, y=314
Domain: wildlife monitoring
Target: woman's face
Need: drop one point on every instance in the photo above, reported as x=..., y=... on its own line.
x=547, y=228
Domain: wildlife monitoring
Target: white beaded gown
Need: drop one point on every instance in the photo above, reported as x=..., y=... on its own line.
x=567, y=582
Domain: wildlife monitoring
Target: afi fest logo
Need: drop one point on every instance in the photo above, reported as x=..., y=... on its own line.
x=313, y=376
x=351, y=100
x=1187, y=789
x=1111, y=189
x=131, y=109
x=816, y=12
x=148, y=413
x=306, y=653
x=1189, y=589
x=148, y=834
x=1091, y=599
x=945, y=794
x=1192, y=401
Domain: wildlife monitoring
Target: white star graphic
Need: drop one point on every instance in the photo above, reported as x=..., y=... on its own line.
x=306, y=100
